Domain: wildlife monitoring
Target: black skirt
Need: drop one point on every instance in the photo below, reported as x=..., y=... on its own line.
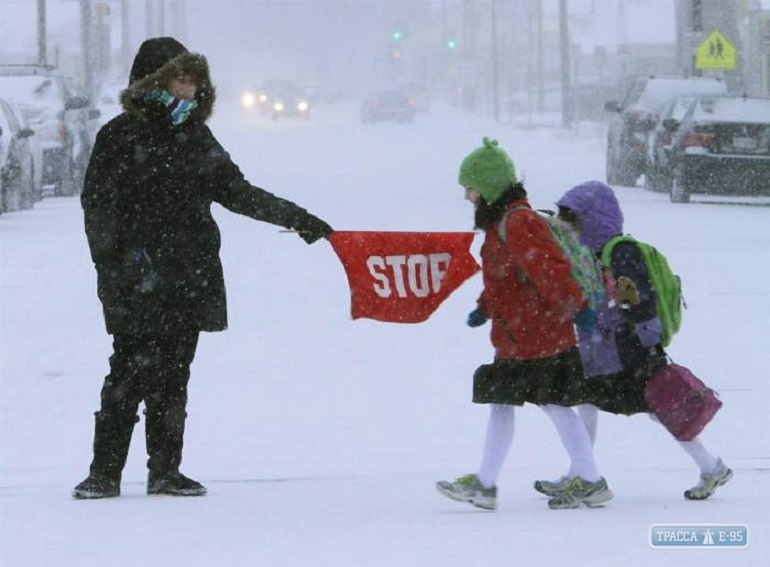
x=553, y=380
x=623, y=393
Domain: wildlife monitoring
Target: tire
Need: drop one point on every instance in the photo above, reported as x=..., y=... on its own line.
x=679, y=192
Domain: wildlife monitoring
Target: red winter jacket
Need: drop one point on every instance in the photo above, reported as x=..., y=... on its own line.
x=528, y=293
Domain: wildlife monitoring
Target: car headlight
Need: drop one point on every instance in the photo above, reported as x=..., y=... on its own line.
x=278, y=107
x=302, y=106
x=248, y=100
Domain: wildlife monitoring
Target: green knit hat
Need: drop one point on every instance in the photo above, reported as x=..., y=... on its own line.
x=488, y=170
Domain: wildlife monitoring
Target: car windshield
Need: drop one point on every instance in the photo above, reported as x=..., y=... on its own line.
x=678, y=107
x=391, y=97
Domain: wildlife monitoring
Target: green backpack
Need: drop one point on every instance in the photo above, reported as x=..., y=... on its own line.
x=665, y=283
x=585, y=269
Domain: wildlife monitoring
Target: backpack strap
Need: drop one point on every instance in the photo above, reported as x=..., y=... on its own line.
x=609, y=246
x=501, y=225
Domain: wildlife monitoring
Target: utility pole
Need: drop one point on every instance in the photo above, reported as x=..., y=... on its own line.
x=42, y=57
x=179, y=20
x=149, y=12
x=87, y=47
x=566, y=111
x=125, y=38
x=495, y=72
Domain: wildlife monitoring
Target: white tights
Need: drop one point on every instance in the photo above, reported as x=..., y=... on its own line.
x=577, y=441
x=499, y=438
x=706, y=462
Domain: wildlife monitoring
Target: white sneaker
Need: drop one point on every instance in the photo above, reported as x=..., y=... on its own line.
x=468, y=489
x=582, y=493
x=552, y=487
x=709, y=483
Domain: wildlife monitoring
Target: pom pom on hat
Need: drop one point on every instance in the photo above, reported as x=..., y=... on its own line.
x=488, y=170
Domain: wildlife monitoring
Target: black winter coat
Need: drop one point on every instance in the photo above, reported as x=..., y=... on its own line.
x=147, y=204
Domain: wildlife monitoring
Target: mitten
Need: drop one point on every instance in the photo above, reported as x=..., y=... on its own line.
x=311, y=228
x=476, y=318
x=585, y=320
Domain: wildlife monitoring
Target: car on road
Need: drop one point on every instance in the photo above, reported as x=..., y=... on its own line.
x=637, y=114
x=17, y=188
x=722, y=147
x=289, y=102
x=61, y=116
x=387, y=105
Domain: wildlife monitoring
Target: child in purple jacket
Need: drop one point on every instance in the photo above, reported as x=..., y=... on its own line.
x=623, y=349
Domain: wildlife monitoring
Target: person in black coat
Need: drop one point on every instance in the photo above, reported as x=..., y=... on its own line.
x=153, y=174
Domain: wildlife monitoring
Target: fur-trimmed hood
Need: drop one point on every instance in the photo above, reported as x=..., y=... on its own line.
x=141, y=95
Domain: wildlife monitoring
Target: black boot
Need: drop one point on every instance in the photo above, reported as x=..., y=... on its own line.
x=174, y=484
x=112, y=438
x=96, y=487
x=164, y=429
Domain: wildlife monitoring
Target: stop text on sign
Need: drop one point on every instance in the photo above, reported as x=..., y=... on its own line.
x=418, y=274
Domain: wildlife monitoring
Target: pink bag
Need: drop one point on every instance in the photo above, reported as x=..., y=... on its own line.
x=682, y=402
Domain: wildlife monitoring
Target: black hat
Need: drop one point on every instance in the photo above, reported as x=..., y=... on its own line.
x=152, y=55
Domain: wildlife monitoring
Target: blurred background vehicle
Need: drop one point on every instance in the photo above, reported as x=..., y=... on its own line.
x=61, y=116
x=418, y=95
x=318, y=93
x=637, y=114
x=657, y=176
x=262, y=99
x=289, y=101
x=17, y=190
x=722, y=147
x=387, y=105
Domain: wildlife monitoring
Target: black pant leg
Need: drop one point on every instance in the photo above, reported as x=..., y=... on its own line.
x=120, y=396
x=166, y=401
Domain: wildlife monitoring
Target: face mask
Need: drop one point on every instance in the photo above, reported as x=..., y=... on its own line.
x=180, y=109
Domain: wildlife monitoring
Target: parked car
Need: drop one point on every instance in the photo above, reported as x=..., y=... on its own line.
x=17, y=190
x=722, y=147
x=62, y=117
x=637, y=115
x=384, y=105
x=657, y=174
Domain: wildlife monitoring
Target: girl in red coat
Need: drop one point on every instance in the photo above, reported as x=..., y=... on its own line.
x=531, y=300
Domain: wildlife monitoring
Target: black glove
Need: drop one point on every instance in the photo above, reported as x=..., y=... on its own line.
x=311, y=228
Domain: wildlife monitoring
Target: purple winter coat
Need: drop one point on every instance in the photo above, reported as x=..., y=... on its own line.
x=621, y=339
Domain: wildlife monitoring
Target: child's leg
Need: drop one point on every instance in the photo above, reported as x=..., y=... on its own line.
x=707, y=463
x=497, y=443
x=589, y=415
x=576, y=441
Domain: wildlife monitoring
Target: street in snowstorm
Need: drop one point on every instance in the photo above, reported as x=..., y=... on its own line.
x=320, y=438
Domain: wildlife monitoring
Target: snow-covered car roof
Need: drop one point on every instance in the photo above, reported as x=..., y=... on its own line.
x=660, y=90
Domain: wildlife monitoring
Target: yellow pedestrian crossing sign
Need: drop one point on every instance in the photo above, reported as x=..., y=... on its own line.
x=715, y=53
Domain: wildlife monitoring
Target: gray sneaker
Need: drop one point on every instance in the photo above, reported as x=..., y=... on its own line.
x=552, y=488
x=709, y=483
x=582, y=493
x=468, y=489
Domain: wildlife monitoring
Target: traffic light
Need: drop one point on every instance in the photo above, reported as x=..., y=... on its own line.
x=451, y=43
x=396, y=35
